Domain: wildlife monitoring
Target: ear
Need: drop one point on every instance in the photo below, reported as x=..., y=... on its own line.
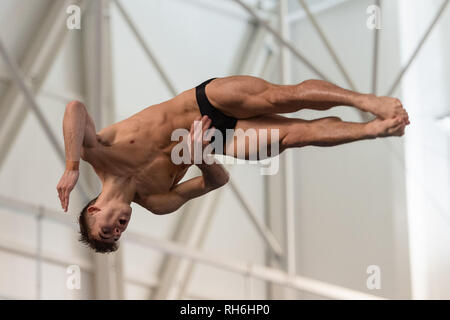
x=93, y=209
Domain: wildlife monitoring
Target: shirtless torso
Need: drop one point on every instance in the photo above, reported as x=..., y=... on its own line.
x=133, y=157
x=140, y=146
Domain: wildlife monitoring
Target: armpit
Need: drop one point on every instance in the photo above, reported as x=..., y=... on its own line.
x=86, y=154
x=103, y=141
x=107, y=135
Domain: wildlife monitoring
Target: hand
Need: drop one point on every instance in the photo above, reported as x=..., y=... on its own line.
x=197, y=138
x=65, y=186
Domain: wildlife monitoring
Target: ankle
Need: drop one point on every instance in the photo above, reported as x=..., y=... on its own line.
x=365, y=101
x=371, y=130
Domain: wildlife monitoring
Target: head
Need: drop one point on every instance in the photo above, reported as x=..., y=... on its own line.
x=102, y=224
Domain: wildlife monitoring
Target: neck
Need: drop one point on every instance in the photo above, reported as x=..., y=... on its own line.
x=117, y=189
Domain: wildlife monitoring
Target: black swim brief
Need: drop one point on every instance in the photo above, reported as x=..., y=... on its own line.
x=219, y=120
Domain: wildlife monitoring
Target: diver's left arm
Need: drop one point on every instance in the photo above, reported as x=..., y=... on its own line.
x=213, y=177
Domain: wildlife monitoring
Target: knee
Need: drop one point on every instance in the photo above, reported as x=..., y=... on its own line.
x=275, y=96
x=298, y=135
x=305, y=90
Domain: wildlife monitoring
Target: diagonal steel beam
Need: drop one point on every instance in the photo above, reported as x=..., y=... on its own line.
x=282, y=40
x=262, y=229
x=56, y=94
x=327, y=44
x=18, y=80
x=251, y=45
x=146, y=48
x=37, y=61
x=422, y=41
x=186, y=274
x=191, y=230
x=269, y=63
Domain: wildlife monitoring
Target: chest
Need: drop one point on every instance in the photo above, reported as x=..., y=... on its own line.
x=158, y=176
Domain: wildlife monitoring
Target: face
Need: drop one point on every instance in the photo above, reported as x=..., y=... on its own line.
x=109, y=221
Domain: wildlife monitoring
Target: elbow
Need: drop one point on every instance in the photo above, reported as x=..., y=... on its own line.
x=226, y=179
x=75, y=105
x=161, y=211
x=222, y=181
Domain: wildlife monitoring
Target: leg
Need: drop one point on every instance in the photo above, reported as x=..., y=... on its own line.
x=296, y=133
x=245, y=97
x=329, y=132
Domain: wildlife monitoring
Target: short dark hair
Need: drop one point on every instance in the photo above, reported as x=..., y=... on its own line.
x=85, y=237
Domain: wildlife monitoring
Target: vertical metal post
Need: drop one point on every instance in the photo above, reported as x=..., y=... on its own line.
x=99, y=92
x=39, y=253
x=288, y=157
x=99, y=70
x=248, y=284
x=376, y=41
x=267, y=219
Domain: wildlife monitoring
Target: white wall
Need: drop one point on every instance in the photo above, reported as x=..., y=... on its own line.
x=425, y=90
x=351, y=199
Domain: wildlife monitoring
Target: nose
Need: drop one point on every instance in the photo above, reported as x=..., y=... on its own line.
x=117, y=231
x=106, y=230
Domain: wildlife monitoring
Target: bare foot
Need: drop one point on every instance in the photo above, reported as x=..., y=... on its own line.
x=386, y=107
x=386, y=128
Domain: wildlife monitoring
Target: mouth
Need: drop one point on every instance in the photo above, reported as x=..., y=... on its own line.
x=102, y=237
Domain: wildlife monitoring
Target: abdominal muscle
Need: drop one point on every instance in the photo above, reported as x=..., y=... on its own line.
x=140, y=147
